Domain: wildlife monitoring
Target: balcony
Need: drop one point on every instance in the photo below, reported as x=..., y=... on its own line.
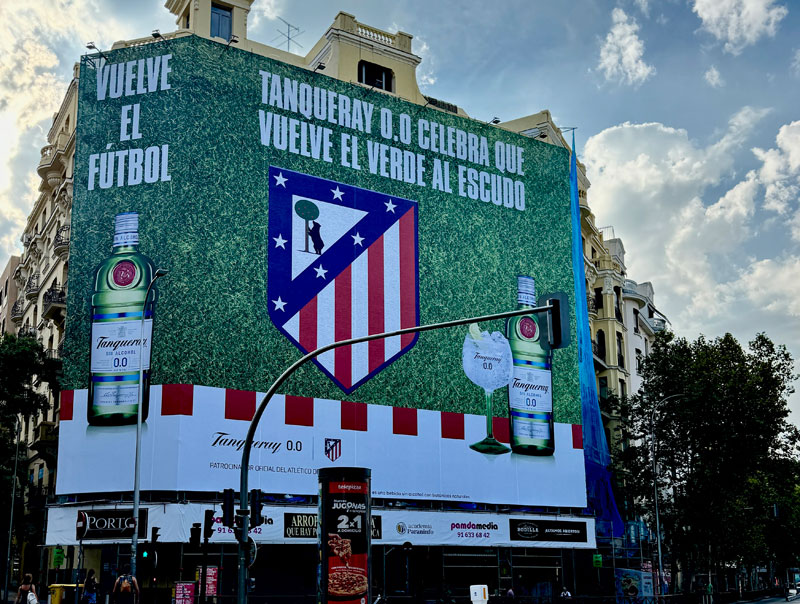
x=54, y=304
x=61, y=243
x=48, y=155
x=32, y=286
x=17, y=311
x=27, y=332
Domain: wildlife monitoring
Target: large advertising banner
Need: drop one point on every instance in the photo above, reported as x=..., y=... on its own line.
x=293, y=210
x=298, y=525
x=193, y=439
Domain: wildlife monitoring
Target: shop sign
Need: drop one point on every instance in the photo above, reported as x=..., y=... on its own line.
x=109, y=524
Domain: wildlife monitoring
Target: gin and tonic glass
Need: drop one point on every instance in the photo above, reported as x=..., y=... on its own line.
x=487, y=363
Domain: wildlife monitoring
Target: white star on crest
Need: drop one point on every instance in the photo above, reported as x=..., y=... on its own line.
x=320, y=271
x=390, y=206
x=280, y=241
x=337, y=194
x=357, y=239
x=280, y=180
x=279, y=304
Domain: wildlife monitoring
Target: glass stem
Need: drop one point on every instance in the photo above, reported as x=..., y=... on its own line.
x=489, y=417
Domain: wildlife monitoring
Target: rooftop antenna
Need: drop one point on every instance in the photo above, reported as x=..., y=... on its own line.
x=291, y=33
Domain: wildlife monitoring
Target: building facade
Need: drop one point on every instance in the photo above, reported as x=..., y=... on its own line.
x=381, y=63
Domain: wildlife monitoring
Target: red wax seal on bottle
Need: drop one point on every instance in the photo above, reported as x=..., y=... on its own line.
x=124, y=273
x=527, y=327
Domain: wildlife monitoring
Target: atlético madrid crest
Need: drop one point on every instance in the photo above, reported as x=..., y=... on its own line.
x=343, y=263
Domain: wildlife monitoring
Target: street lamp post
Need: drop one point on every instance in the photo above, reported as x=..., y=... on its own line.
x=655, y=486
x=244, y=519
x=135, y=539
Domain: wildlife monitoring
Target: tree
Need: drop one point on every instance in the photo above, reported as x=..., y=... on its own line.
x=715, y=416
x=24, y=366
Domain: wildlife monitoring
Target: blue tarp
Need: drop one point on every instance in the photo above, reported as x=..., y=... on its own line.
x=595, y=448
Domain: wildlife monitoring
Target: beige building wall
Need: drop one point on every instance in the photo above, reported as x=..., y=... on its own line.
x=8, y=296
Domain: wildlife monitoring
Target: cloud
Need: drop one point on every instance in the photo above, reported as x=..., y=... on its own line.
x=714, y=78
x=264, y=9
x=622, y=51
x=780, y=175
x=795, y=66
x=654, y=183
x=644, y=6
x=649, y=181
x=33, y=80
x=426, y=74
x=739, y=23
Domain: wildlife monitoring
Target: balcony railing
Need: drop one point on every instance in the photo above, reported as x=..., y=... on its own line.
x=61, y=242
x=17, y=311
x=54, y=302
x=32, y=286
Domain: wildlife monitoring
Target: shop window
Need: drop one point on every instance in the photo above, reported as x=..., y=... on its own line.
x=221, y=20
x=376, y=76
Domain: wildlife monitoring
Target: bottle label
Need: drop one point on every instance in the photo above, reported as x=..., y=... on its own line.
x=531, y=429
x=115, y=346
x=114, y=395
x=530, y=390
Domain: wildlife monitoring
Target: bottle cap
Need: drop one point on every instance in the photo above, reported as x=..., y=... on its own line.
x=526, y=290
x=126, y=229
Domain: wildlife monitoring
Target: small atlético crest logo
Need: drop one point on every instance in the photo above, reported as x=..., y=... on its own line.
x=342, y=263
x=333, y=448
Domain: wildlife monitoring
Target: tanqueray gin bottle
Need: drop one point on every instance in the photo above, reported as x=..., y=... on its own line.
x=530, y=393
x=120, y=339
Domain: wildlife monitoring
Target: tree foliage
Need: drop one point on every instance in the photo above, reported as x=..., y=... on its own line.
x=23, y=366
x=715, y=416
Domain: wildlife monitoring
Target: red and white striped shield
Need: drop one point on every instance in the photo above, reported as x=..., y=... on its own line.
x=342, y=264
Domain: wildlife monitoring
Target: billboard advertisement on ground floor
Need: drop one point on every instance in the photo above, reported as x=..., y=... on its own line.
x=291, y=524
x=194, y=437
x=232, y=213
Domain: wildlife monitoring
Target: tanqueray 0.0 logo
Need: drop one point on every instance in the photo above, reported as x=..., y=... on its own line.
x=343, y=263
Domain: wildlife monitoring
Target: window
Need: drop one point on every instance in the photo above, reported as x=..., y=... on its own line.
x=601, y=344
x=603, y=388
x=30, y=476
x=40, y=478
x=221, y=19
x=620, y=353
x=638, y=361
x=594, y=253
x=635, y=320
x=622, y=390
x=376, y=76
x=598, y=298
x=617, y=304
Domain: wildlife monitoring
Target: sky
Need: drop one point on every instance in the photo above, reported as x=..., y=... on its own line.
x=687, y=115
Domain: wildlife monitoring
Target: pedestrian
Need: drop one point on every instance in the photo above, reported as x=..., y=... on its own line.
x=89, y=589
x=27, y=591
x=565, y=595
x=126, y=588
x=510, y=593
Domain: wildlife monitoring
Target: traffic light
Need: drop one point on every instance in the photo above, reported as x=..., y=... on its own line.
x=228, y=496
x=256, y=519
x=154, y=534
x=208, y=524
x=145, y=553
x=194, y=535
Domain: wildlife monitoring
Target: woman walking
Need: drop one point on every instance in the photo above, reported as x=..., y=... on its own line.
x=27, y=592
